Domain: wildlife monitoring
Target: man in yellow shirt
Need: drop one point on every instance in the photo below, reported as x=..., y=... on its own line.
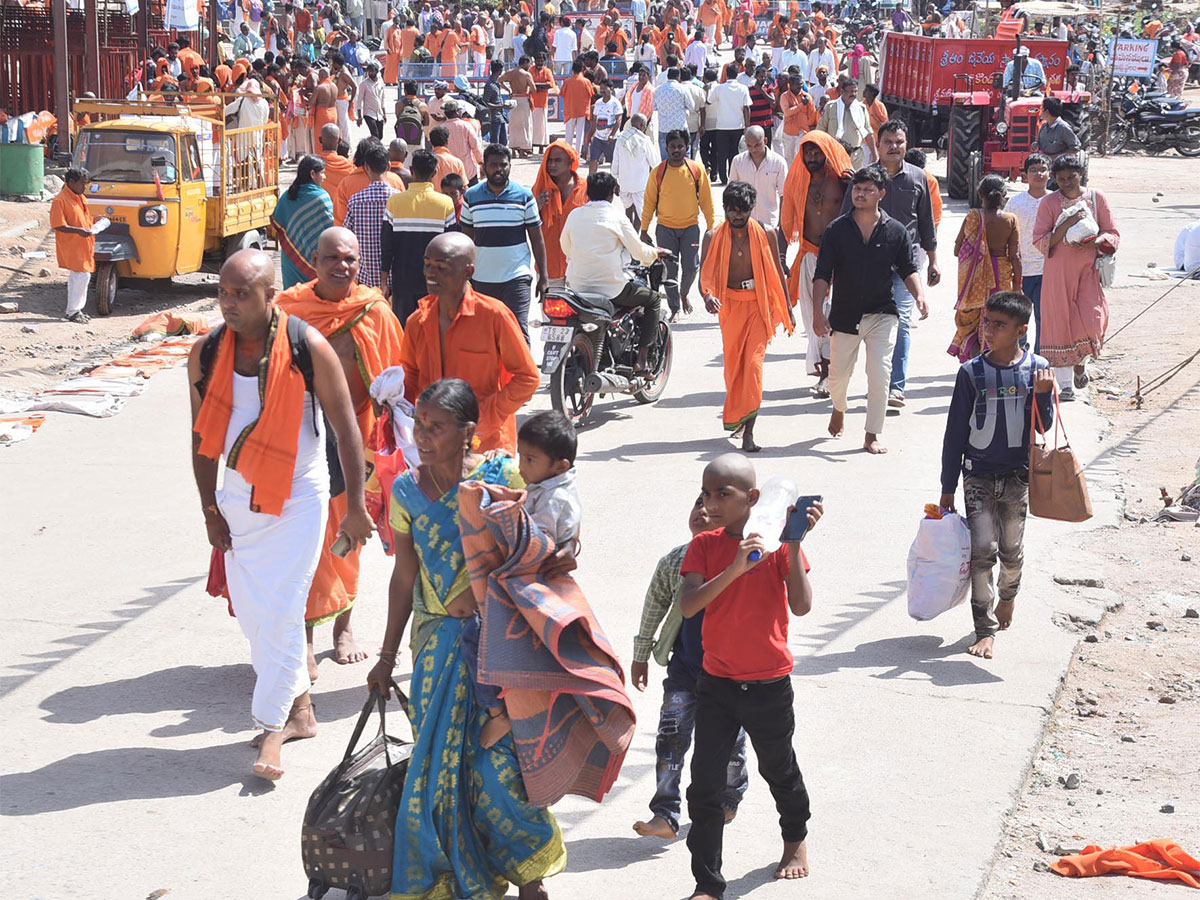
x=676, y=193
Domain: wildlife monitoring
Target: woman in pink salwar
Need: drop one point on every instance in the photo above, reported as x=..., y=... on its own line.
x=1074, y=310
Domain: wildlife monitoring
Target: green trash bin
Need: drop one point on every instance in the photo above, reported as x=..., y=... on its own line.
x=22, y=168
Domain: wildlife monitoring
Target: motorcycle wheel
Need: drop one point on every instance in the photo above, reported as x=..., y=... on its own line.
x=1189, y=143
x=567, y=395
x=659, y=358
x=1118, y=137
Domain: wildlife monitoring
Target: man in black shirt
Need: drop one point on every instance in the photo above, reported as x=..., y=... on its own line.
x=859, y=253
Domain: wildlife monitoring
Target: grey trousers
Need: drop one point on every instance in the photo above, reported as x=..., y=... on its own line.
x=996, y=508
x=685, y=244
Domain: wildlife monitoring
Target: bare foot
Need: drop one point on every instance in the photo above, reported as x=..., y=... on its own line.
x=494, y=729
x=687, y=306
x=837, y=423
x=345, y=650
x=1004, y=613
x=730, y=815
x=301, y=724
x=982, y=648
x=873, y=446
x=794, y=862
x=657, y=827
x=748, y=445
x=533, y=891
x=268, y=764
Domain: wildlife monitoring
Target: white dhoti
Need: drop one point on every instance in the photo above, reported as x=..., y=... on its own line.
x=786, y=145
x=269, y=572
x=77, y=285
x=300, y=141
x=634, y=199
x=818, y=347
x=520, y=126
x=343, y=114
x=541, y=128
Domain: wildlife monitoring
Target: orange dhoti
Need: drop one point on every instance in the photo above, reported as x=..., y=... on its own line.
x=335, y=584
x=322, y=116
x=744, y=346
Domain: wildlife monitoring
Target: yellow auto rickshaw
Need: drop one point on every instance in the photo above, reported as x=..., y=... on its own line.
x=182, y=187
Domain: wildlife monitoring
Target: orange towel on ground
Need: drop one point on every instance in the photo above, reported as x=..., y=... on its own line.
x=1162, y=860
x=377, y=334
x=748, y=319
x=795, y=190
x=554, y=213
x=266, y=457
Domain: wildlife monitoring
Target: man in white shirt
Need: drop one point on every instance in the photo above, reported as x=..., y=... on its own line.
x=847, y=120
x=820, y=56
x=727, y=115
x=765, y=170
x=566, y=45
x=593, y=239
x=637, y=9
x=697, y=52
x=368, y=101
x=602, y=134
x=793, y=56
x=690, y=86
x=746, y=77
x=1025, y=208
x=671, y=107
x=587, y=39
x=634, y=158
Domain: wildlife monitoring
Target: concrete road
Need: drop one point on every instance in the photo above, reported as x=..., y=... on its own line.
x=126, y=688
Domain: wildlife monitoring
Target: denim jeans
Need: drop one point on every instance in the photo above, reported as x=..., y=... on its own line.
x=1031, y=286
x=996, y=507
x=685, y=244
x=514, y=294
x=765, y=711
x=904, y=305
x=676, y=721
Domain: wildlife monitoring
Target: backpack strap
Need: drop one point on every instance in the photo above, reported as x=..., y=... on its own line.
x=297, y=333
x=661, y=172
x=979, y=376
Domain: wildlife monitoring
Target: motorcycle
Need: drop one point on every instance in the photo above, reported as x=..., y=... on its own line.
x=1157, y=123
x=591, y=348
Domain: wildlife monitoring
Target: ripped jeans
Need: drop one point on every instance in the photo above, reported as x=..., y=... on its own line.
x=676, y=721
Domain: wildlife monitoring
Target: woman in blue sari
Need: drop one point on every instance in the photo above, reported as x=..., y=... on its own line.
x=302, y=212
x=465, y=829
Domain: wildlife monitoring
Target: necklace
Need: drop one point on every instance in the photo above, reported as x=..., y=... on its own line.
x=744, y=243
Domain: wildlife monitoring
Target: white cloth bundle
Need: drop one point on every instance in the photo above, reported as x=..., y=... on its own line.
x=1085, y=230
x=388, y=390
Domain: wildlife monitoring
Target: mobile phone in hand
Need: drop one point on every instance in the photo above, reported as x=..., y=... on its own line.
x=341, y=546
x=797, y=524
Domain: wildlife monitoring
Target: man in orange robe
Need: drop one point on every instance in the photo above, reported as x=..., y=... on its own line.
x=482, y=344
x=367, y=337
x=323, y=107
x=818, y=176
x=558, y=190
x=393, y=44
x=741, y=280
x=74, y=242
x=337, y=167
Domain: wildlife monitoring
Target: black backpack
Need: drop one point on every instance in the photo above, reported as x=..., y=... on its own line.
x=297, y=333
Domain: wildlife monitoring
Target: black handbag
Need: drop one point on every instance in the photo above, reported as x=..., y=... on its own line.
x=350, y=822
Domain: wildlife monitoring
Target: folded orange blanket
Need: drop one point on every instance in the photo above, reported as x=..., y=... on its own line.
x=1161, y=859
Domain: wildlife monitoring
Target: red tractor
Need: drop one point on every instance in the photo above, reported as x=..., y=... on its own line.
x=992, y=131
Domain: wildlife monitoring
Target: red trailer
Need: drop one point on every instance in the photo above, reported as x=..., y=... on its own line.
x=921, y=75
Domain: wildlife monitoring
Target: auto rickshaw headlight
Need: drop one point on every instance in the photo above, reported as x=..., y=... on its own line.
x=153, y=215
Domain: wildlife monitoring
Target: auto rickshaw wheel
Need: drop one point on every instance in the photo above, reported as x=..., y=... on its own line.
x=106, y=288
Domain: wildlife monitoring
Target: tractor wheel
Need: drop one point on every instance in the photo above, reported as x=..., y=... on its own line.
x=1079, y=117
x=966, y=137
x=974, y=176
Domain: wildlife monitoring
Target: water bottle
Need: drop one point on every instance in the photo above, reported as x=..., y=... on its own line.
x=769, y=515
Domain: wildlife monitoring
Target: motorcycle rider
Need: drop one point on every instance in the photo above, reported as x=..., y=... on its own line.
x=593, y=239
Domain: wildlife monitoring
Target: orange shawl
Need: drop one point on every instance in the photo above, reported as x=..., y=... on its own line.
x=1162, y=860
x=768, y=288
x=795, y=191
x=556, y=210
x=265, y=453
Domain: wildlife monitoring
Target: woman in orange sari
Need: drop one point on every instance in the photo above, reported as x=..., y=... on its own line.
x=558, y=189
x=988, y=248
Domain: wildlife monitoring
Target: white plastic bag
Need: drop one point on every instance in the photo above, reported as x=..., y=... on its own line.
x=939, y=566
x=1085, y=230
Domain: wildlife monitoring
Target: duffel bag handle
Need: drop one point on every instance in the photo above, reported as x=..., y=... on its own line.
x=375, y=699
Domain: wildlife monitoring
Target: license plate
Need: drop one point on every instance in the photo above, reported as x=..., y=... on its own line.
x=557, y=334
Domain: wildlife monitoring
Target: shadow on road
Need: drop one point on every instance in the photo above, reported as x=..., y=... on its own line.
x=129, y=773
x=944, y=665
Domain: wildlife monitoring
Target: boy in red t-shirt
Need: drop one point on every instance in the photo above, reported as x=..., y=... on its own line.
x=746, y=680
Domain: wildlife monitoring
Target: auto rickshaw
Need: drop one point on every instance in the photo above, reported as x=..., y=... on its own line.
x=181, y=188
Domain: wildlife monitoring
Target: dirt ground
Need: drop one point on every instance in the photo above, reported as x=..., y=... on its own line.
x=1127, y=720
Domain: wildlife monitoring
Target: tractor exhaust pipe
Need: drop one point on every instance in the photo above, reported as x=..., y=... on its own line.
x=606, y=383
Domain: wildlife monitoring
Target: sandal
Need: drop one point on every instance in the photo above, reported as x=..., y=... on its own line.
x=1081, y=378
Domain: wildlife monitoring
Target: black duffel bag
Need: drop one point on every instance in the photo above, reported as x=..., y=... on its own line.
x=350, y=823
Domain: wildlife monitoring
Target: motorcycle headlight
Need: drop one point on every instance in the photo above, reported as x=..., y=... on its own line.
x=153, y=215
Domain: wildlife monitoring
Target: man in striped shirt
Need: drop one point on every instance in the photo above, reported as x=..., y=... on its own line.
x=502, y=218
x=410, y=221
x=364, y=213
